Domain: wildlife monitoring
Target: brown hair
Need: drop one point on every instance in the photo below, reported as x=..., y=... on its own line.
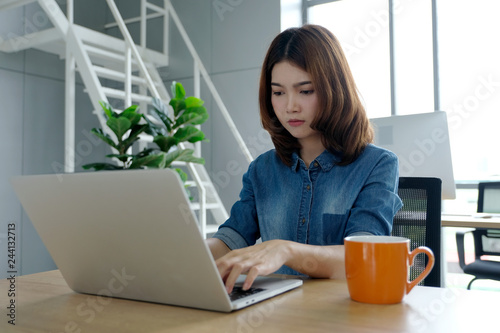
x=342, y=119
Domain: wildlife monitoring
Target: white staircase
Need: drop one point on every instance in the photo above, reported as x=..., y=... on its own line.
x=122, y=73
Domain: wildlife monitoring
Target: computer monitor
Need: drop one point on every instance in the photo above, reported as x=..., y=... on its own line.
x=422, y=144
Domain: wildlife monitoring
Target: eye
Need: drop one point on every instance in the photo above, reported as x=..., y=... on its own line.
x=307, y=92
x=277, y=93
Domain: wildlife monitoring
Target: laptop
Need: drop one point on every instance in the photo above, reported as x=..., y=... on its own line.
x=132, y=234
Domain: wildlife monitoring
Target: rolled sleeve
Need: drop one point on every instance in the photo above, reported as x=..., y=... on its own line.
x=231, y=238
x=361, y=233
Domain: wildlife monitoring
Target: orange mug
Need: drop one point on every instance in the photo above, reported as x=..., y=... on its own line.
x=377, y=268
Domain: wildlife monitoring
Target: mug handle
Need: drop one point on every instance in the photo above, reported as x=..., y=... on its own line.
x=426, y=271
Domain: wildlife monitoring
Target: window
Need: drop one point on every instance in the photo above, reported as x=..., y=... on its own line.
x=405, y=62
x=469, y=63
x=364, y=36
x=413, y=57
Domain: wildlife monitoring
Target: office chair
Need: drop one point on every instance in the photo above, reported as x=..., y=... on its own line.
x=486, y=241
x=420, y=220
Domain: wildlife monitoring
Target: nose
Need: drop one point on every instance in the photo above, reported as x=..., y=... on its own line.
x=292, y=105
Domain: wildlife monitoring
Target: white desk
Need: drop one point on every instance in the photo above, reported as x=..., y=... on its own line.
x=470, y=221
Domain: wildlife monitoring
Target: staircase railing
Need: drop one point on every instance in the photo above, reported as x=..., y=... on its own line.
x=199, y=68
x=131, y=48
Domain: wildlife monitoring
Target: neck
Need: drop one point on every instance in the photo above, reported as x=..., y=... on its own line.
x=311, y=150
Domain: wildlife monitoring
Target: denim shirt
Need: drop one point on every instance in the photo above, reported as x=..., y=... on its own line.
x=319, y=205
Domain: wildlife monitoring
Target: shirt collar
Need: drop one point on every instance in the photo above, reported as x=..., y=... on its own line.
x=326, y=160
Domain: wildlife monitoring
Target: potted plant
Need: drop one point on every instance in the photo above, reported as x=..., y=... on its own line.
x=171, y=129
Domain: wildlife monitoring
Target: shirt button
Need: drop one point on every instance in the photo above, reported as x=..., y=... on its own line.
x=308, y=187
x=315, y=164
x=303, y=220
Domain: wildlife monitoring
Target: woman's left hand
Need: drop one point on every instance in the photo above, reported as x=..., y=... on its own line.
x=260, y=259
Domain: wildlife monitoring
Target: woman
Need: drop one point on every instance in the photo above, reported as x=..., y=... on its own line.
x=324, y=180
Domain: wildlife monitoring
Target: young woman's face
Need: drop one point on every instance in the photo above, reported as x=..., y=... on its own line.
x=294, y=101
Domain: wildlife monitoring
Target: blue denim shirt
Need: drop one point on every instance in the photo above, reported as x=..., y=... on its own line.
x=319, y=205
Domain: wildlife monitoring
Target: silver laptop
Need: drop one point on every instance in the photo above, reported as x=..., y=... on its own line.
x=131, y=234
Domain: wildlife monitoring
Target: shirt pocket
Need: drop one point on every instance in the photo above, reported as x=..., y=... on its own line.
x=334, y=228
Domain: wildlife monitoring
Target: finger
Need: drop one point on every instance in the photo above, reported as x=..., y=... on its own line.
x=236, y=271
x=251, y=276
x=224, y=265
x=223, y=269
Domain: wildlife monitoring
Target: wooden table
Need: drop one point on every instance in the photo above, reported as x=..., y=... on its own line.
x=45, y=304
x=470, y=221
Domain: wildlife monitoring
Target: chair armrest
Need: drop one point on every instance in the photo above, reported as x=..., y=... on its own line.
x=461, y=247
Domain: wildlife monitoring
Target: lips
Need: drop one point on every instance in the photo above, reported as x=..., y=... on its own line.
x=295, y=122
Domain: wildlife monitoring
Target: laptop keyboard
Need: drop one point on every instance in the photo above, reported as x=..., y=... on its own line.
x=238, y=292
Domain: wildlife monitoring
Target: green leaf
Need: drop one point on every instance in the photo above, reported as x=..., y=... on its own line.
x=192, y=101
x=131, y=114
x=182, y=174
x=165, y=142
x=153, y=129
x=144, y=152
x=160, y=106
x=131, y=109
x=185, y=155
x=189, y=133
x=122, y=157
x=138, y=129
x=104, y=137
x=119, y=155
x=178, y=105
x=178, y=90
x=184, y=178
x=161, y=111
x=152, y=161
x=119, y=126
x=163, y=115
x=134, y=135
x=193, y=115
x=101, y=166
x=107, y=109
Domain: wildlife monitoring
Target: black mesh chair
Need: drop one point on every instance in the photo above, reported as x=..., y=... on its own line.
x=420, y=220
x=486, y=241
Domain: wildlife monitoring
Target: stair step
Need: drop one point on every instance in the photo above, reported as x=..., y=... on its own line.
x=145, y=137
x=118, y=45
x=192, y=183
x=115, y=93
x=178, y=163
x=97, y=52
x=117, y=76
x=196, y=206
x=8, y=4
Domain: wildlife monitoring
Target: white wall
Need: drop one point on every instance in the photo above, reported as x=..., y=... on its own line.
x=231, y=37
